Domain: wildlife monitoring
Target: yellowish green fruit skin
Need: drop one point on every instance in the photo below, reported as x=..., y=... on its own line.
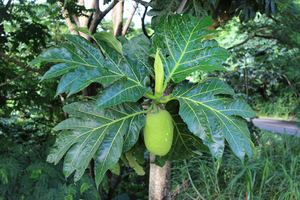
x=158, y=132
x=159, y=75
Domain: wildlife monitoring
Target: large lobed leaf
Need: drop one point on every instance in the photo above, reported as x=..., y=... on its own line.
x=211, y=114
x=102, y=134
x=81, y=63
x=184, y=50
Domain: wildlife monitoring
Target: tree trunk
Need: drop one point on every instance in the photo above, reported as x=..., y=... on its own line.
x=160, y=181
x=118, y=18
x=160, y=177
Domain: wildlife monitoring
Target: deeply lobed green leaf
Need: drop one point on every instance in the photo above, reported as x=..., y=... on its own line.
x=212, y=114
x=103, y=135
x=181, y=39
x=81, y=63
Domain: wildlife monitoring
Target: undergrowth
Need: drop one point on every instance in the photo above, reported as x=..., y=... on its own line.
x=272, y=173
x=25, y=174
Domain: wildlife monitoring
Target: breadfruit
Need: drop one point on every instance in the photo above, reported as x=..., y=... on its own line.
x=158, y=132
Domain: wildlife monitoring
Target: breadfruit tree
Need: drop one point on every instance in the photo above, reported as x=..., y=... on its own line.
x=130, y=113
x=204, y=115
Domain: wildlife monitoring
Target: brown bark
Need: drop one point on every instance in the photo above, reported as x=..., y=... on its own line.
x=129, y=19
x=181, y=6
x=118, y=18
x=99, y=15
x=69, y=23
x=83, y=20
x=160, y=181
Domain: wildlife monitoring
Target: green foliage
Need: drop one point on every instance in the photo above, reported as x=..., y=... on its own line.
x=102, y=134
x=24, y=131
x=25, y=174
x=280, y=106
x=268, y=49
x=129, y=82
x=29, y=30
x=272, y=173
x=245, y=9
x=134, y=185
x=108, y=127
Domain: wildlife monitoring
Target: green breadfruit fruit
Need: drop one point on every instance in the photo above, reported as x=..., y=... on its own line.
x=158, y=132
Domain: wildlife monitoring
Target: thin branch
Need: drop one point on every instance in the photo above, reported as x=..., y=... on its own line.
x=21, y=64
x=63, y=103
x=254, y=35
x=246, y=81
x=13, y=79
x=143, y=23
x=226, y=74
x=125, y=28
x=260, y=52
x=7, y=5
x=246, y=40
x=5, y=98
x=296, y=92
x=275, y=20
x=99, y=15
x=181, y=6
x=144, y=3
x=267, y=36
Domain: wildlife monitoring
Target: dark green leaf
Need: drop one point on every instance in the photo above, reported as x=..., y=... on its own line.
x=212, y=116
x=95, y=134
x=106, y=66
x=181, y=40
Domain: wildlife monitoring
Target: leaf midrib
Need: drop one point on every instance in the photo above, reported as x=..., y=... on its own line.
x=217, y=114
x=108, y=124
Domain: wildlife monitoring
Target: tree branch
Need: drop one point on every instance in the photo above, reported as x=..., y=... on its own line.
x=266, y=36
x=76, y=21
x=118, y=18
x=246, y=40
x=69, y=23
x=144, y=3
x=125, y=28
x=5, y=98
x=275, y=20
x=181, y=6
x=226, y=74
x=7, y=5
x=143, y=23
x=13, y=79
x=296, y=92
x=99, y=15
x=21, y=64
